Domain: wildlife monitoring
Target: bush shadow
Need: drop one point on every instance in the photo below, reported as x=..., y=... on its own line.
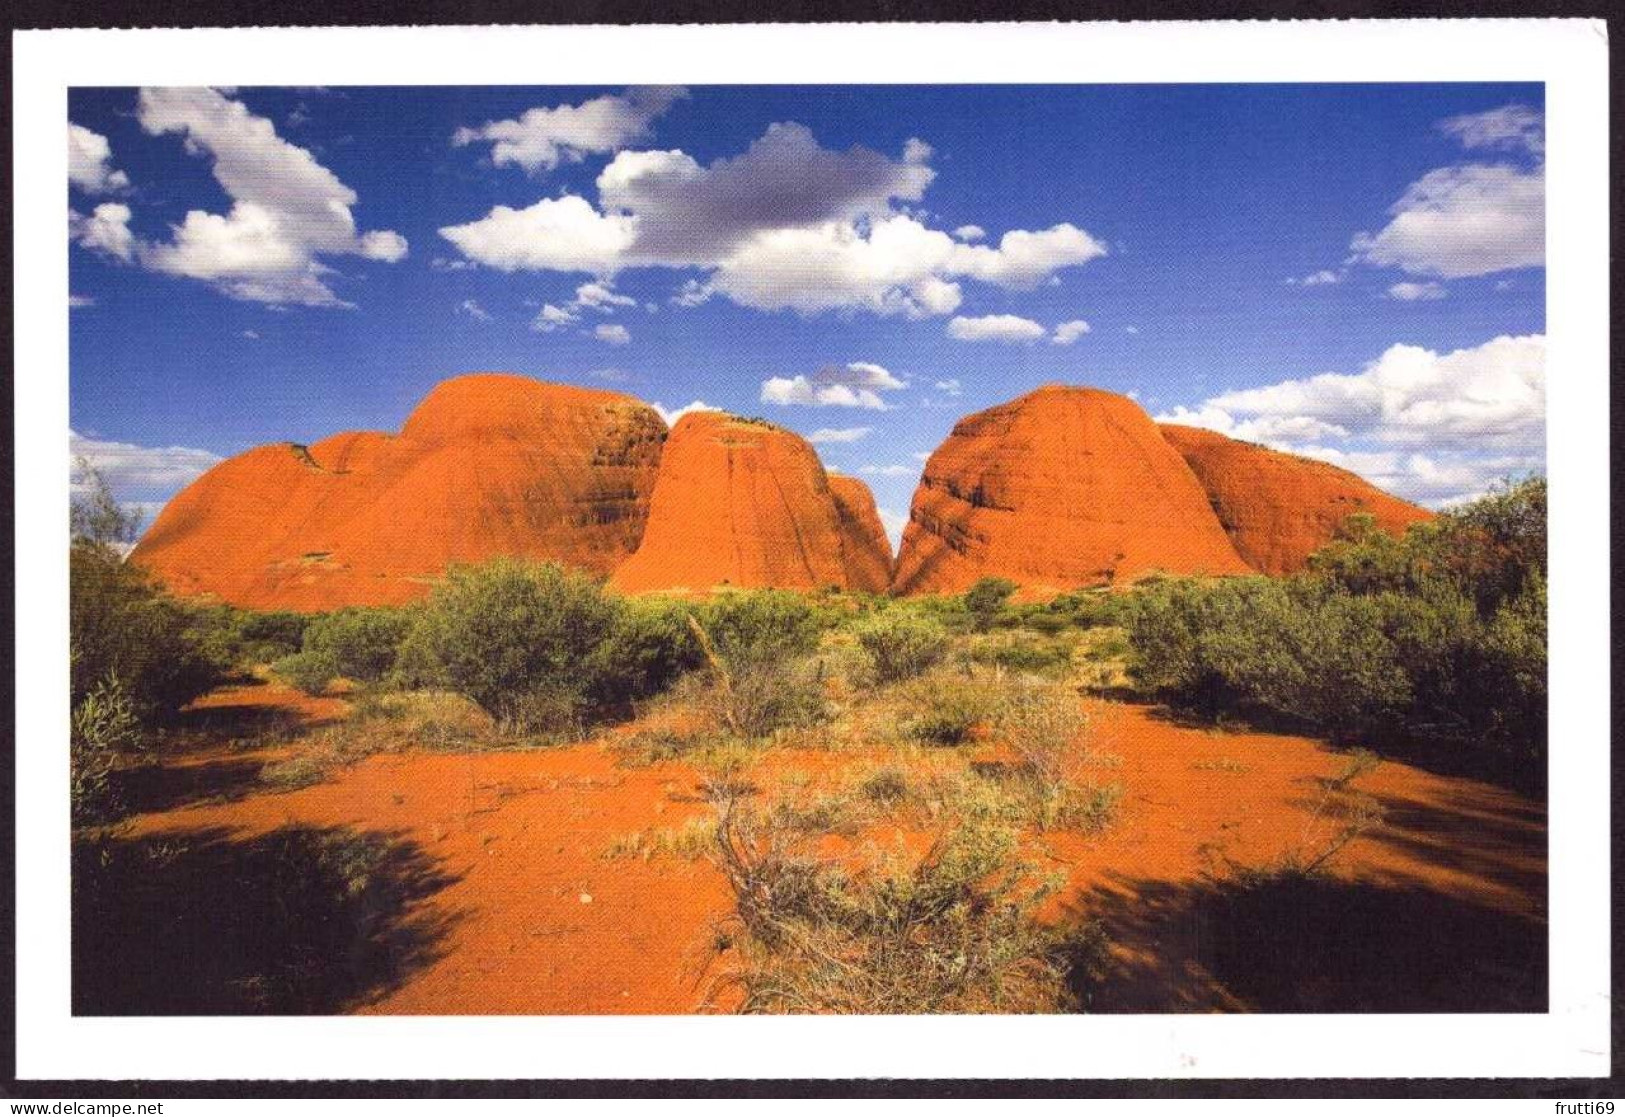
x=300, y=920
x=165, y=787
x=1289, y=942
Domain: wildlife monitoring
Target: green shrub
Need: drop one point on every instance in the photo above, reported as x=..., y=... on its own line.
x=1438, y=636
x=122, y=624
x=361, y=643
x=1314, y=655
x=647, y=648
x=900, y=645
x=985, y=601
x=243, y=638
x=752, y=628
x=311, y=672
x=755, y=644
x=1022, y=653
x=946, y=708
x=104, y=728
x=516, y=637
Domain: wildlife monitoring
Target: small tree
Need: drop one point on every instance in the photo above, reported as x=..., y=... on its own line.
x=985, y=600
x=360, y=643
x=518, y=638
x=120, y=623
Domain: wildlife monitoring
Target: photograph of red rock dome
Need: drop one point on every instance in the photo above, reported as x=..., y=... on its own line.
x=1103, y=572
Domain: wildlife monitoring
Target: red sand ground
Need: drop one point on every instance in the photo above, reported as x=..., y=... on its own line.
x=1060, y=488
x=1280, y=508
x=746, y=504
x=487, y=464
x=540, y=922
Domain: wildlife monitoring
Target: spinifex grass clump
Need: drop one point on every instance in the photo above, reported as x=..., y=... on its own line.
x=1045, y=726
x=951, y=931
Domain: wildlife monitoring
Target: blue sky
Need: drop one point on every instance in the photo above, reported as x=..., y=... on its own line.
x=1350, y=272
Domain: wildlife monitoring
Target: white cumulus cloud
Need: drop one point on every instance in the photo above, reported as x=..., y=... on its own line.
x=995, y=327
x=542, y=138
x=288, y=211
x=130, y=468
x=106, y=230
x=1510, y=127
x=1472, y=219
x=837, y=434
x=671, y=415
x=612, y=332
x=855, y=384
x=1408, y=292
x=785, y=225
x=1426, y=425
x=90, y=163
x=1068, y=332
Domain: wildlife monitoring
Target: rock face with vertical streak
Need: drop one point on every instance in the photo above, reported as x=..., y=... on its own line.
x=741, y=503
x=1280, y=508
x=1061, y=488
x=487, y=464
x=865, y=548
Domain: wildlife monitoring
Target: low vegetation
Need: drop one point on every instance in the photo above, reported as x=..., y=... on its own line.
x=953, y=930
x=1435, y=640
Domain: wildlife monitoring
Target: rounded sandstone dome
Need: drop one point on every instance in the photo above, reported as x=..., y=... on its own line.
x=1061, y=488
x=489, y=464
x=1280, y=508
x=742, y=503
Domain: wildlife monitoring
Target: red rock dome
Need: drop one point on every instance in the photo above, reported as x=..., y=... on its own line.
x=864, y=546
x=739, y=502
x=1061, y=488
x=1280, y=508
x=487, y=464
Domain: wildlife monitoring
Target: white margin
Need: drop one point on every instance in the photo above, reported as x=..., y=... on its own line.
x=1571, y=1040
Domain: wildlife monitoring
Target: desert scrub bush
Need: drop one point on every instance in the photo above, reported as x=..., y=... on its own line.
x=1045, y=727
x=643, y=747
x=747, y=628
x=361, y=643
x=899, y=645
x=954, y=931
x=885, y=786
x=946, y=707
x=985, y=601
x=244, y=639
x=121, y=623
x=295, y=772
x=103, y=730
x=1437, y=638
x=515, y=637
x=311, y=672
x=1310, y=653
x=756, y=646
x=647, y=648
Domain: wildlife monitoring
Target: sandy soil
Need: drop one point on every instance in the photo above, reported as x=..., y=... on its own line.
x=1441, y=908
